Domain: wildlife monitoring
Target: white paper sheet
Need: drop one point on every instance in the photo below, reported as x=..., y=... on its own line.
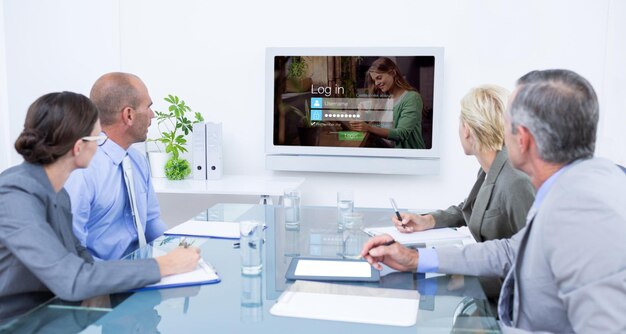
x=204, y=273
x=333, y=268
x=325, y=301
x=227, y=230
x=423, y=237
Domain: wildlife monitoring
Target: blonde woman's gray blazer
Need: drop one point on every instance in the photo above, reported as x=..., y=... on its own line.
x=496, y=207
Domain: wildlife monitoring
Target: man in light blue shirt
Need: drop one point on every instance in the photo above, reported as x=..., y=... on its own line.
x=103, y=216
x=565, y=271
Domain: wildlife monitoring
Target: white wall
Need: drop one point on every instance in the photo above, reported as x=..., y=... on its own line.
x=5, y=155
x=55, y=46
x=612, y=129
x=212, y=55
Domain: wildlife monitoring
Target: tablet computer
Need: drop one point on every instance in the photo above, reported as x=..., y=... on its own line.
x=316, y=269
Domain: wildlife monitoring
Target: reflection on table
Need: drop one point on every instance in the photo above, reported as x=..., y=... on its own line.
x=241, y=303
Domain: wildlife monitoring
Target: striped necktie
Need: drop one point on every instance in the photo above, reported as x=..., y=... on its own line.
x=130, y=189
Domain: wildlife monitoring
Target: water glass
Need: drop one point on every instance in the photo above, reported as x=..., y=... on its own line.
x=292, y=242
x=291, y=203
x=345, y=204
x=251, y=299
x=353, y=235
x=250, y=243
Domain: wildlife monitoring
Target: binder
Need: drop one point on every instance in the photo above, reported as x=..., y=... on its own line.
x=198, y=148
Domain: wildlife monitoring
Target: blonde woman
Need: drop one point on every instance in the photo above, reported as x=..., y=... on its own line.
x=497, y=205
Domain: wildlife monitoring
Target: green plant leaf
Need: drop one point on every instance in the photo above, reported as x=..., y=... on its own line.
x=177, y=169
x=174, y=125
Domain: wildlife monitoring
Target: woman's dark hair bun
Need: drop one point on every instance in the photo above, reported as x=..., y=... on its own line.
x=54, y=122
x=30, y=146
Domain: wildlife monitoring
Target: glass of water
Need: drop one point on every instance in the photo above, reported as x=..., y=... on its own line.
x=250, y=243
x=345, y=204
x=251, y=299
x=353, y=235
x=291, y=203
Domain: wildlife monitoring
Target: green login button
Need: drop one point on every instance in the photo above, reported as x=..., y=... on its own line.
x=351, y=135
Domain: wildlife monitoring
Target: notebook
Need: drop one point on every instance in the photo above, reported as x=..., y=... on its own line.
x=437, y=235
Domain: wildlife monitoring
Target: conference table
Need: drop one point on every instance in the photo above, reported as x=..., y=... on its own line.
x=241, y=303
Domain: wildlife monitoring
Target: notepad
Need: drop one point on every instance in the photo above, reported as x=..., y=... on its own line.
x=213, y=229
x=327, y=301
x=204, y=274
x=422, y=237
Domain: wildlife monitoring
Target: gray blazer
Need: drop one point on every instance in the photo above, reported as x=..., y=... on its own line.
x=496, y=208
x=39, y=253
x=566, y=270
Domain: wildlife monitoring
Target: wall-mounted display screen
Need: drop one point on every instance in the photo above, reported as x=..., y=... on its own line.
x=354, y=101
x=375, y=104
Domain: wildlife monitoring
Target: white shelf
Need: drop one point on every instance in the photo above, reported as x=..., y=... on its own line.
x=181, y=200
x=241, y=185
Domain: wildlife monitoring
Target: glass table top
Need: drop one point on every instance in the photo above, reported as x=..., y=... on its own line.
x=241, y=303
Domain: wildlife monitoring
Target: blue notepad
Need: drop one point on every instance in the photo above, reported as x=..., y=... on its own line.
x=204, y=274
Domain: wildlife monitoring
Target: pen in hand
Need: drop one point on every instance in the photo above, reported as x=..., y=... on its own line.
x=184, y=243
x=389, y=243
x=395, y=209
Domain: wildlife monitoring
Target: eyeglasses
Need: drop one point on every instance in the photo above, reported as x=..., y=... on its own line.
x=100, y=140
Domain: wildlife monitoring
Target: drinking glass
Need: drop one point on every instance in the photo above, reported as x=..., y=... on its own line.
x=251, y=241
x=291, y=203
x=353, y=235
x=345, y=204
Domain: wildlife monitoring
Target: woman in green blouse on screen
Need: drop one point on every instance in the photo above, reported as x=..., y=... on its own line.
x=384, y=79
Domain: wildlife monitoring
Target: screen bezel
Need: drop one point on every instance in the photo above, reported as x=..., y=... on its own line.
x=272, y=149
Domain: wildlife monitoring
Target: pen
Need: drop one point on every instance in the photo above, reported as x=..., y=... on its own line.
x=389, y=243
x=185, y=244
x=395, y=208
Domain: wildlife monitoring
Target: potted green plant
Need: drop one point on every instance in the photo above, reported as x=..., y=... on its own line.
x=297, y=75
x=174, y=125
x=308, y=131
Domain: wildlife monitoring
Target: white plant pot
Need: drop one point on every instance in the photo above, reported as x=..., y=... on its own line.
x=157, y=163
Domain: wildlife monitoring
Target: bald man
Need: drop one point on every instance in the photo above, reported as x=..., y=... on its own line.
x=106, y=221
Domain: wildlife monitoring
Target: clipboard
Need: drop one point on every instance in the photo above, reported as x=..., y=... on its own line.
x=342, y=270
x=204, y=274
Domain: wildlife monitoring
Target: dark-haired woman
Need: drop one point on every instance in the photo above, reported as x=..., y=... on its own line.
x=39, y=255
x=384, y=79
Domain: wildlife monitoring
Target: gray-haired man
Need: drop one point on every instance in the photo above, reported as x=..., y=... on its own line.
x=566, y=270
